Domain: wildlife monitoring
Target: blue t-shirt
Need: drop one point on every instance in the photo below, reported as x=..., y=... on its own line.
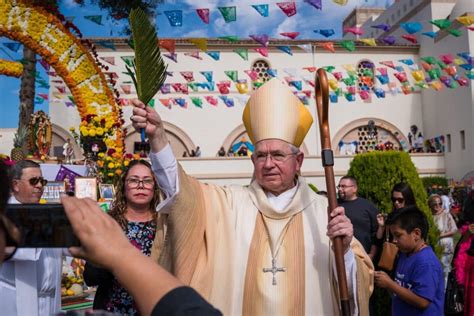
x=422, y=274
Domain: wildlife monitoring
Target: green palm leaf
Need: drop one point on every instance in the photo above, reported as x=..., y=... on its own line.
x=150, y=69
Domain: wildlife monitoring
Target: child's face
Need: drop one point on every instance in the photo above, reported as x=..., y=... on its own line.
x=406, y=242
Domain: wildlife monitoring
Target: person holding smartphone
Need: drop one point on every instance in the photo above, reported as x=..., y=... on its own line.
x=156, y=291
x=30, y=282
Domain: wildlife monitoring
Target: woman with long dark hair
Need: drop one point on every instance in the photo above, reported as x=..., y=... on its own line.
x=134, y=208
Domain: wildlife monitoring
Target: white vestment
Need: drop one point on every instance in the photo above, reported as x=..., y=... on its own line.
x=30, y=282
x=223, y=274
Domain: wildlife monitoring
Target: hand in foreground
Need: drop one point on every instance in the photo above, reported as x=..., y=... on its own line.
x=381, y=219
x=103, y=242
x=340, y=225
x=382, y=279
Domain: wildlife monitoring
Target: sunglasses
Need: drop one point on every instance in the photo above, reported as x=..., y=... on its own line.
x=399, y=200
x=36, y=180
x=436, y=204
x=11, y=236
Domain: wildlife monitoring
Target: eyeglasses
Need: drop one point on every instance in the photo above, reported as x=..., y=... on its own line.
x=276, y=156
x=35, y=180
x=398, y=200
x=11, y=236
x=134, y=183
x=343, y=186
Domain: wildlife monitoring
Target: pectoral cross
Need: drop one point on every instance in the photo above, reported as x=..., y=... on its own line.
x=274, y=269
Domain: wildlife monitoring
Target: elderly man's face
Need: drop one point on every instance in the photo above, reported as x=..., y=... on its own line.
x=24, y=191
x=275, y=165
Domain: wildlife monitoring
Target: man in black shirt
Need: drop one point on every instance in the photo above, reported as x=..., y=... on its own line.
x=361, y=212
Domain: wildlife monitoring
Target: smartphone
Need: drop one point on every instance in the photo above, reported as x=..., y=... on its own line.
x=42, y=225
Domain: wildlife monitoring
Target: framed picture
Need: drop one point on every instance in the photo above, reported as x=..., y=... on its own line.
x=106, y=191
x=52, y=190
x=85, y=188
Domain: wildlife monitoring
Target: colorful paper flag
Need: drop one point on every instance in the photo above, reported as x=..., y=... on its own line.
x=193, y=55
x=181, y=102
x=187, y=75
x=308, y=48
x=291, y=35
x=466, y=20
x=328, y=46
x=411, y=38
x=229, y=102
x=13, y=46
x=286, y=49
x=315, y=3
x=430, y=34
x=109, y=60
x=168, y=44
x=232, y=74
x=175, y=17
x=390, y=40
x=326, y=32
x=166, y=102
x=442, y=24
x=242, y=52
x=383, y=26
x=231, y=38
x=262, y=9
x=412, y=27
x=354, y=30
x=214, y=55
x=262, y=51
x=261, y=39
x=203, y=14
x=289, y=8
x=97, y=19
x=368, y=41
x=348, y=45
x=197, y=101
x=211, y=100
x=223, y=87
x=172, y=56
x=228, y=13
x=200, y=43
x=252, y=74
x=272, y=72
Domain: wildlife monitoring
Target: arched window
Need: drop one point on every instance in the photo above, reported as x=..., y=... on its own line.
x=260, y=67
x=365, y=73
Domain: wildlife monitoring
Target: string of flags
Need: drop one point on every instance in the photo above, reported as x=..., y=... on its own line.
x=349, y=82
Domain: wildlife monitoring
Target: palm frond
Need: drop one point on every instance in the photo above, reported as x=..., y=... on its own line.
x=150, y=69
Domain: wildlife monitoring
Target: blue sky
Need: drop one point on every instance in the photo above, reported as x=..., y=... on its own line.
x=249, y=21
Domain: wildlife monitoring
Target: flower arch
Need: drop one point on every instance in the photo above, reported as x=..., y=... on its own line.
x=45, y=34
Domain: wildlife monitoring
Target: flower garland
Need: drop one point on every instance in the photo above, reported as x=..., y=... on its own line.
x=10, y=68
x=49, y=36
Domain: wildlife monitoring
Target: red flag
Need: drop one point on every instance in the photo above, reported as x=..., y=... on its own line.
x=166, y=102
x=61, y=89
x=43, y=95
x=329, y=46
x=252, y=74
x=291, y=35
x=168, y=44
x=410, y=38
x=213, y=101
x=289, y=8
x=203, y=14
x=262, y=50
x=310, y=69
x=223, y=87
x=187, y=75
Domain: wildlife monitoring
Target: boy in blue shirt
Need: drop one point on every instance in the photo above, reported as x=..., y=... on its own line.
x=418, y=288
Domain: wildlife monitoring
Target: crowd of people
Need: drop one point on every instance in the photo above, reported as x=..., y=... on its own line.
x=174, y=246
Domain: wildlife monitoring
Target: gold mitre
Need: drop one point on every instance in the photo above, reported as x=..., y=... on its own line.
x=273, y=111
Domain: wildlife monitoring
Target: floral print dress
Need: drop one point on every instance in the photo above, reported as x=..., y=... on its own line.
x=141, y=235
